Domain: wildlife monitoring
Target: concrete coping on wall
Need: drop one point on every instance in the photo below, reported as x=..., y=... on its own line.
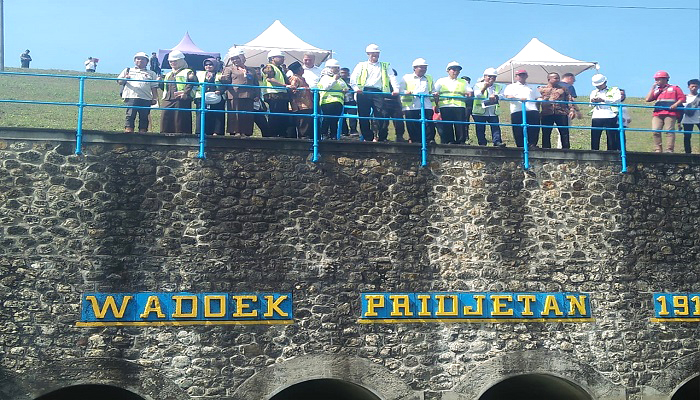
x=340, y=147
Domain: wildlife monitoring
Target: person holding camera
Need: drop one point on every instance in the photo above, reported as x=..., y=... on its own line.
x=138, y=94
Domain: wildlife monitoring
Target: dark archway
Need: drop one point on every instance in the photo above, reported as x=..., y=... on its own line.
x=689, y=391
x=90, y=392
x=323, y=389
x=535, y=387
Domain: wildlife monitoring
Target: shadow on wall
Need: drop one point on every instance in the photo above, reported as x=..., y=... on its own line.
x=535, y=387
x=101, y=392
x=323, y=389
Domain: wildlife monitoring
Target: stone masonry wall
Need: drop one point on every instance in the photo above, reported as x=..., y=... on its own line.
x=142, y=213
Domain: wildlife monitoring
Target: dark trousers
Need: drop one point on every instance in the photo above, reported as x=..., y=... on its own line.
x=237, y=122
x=415, y=130
x=260, y=120
x=551, y=120
x=213, y=121
x=687, y=136
x=453, y=133
x=329, y=125
x=303, y=123
x=610, y=127
x=372, y=101
x=277, y=124
x=480, y=129
x=533, y=132
x=350, y=124
x=393, y=107
x=142, y=113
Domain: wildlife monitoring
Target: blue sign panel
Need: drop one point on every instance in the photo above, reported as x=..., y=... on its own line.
x=676, y=307
x=475, y=307
x=105, y=309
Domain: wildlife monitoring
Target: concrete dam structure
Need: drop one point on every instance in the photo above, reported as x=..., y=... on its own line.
x=138, y=271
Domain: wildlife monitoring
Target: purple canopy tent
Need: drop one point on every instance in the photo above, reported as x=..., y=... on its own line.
x=193, y=54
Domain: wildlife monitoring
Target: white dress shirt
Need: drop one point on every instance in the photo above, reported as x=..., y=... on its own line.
x=420, y=86
x=519, y=91
x=374, y=76
x=608, y=95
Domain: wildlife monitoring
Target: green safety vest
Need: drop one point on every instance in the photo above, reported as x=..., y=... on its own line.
x=201, y=75
x=279, y=76
x=385, y=76
x=459, y=90
x=326, y=97
x=180, y=77
x=479, y=99
x=407, y=101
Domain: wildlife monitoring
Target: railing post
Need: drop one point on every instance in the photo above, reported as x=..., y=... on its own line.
x=81, y=105
x=315, y=145
x=424, y=139
x=202, y=120
x=526, y=151
x=623, y=145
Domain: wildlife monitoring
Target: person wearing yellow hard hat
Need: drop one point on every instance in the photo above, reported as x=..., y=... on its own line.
x=275, y=93
x=137, y=93
x=177, y=94
x=372, y=81
x=450, y=93
x=412, y=86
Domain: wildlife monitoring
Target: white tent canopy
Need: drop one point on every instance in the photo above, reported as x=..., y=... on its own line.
x=277, y=36
x=539, y=60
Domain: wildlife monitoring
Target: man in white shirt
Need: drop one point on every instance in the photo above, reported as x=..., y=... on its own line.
x=373, y=81
x=137, y=93
x=691, y=117
x=604, y=117
x=485, y=108
x=412, y=86
x=312, y=73
x=521, y=91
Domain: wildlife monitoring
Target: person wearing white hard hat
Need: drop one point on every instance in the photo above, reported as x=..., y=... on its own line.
x=331, y=98
x=214, y=99
x=604, y=117
x=275, y=93
x=519, y=90
x=177, y=94
x=412, y=86
x=554, y=112
x=240, y=99
x=137, y=93
x=372, y=81
x=485, y=108
x=449, y=93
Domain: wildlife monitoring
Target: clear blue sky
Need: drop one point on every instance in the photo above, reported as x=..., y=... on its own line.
x=629, y=44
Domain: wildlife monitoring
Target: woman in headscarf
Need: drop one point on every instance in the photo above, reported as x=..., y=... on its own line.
x=331, y=98
x=177, y=95
x=213, y=100
x=240, y=98
x=302, y=101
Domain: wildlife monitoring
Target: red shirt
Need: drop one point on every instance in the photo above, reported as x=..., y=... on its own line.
x=668, y=94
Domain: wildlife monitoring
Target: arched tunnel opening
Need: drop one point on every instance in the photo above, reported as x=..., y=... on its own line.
x=324, y=389
x=535, y=387
x=90, y=392
x=689, y=391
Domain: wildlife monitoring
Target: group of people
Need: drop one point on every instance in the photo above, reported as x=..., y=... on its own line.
x=277, y=98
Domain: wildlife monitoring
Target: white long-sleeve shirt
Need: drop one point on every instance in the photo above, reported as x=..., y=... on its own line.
x=420, y=86
x=374, y=76
x=608, y=95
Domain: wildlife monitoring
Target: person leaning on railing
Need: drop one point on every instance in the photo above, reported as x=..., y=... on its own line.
x=555, y=113
x=137, y=93
x=668, y=98
x=177, y=95
x=691, y=117
x=604, y=117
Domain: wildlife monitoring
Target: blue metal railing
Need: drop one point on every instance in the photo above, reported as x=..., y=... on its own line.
x=81, y=105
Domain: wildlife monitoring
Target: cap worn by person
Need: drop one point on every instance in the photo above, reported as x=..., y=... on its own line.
x=419, y=62
x=598, y=79
x=661, y=74
x=141, y=54
x=176, y=55
x=521, y=72
x=275, y=53
x=490, y=72
x=332, y=63
x=453, y=65
x=372, y=48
